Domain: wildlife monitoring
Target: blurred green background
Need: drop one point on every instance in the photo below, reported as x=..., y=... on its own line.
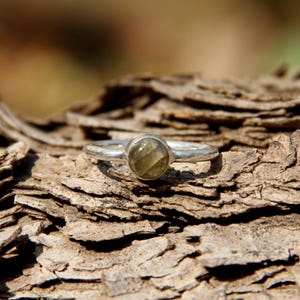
x=56, y=52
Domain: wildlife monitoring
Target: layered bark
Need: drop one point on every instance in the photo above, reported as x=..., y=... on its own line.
x=73, y=227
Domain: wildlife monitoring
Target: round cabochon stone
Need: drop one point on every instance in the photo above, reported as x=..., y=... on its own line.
x=148, y=157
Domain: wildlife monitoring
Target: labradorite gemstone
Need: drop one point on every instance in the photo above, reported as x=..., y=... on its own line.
x=148, y=158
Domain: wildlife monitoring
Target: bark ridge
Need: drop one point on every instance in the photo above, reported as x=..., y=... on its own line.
x=72, y=227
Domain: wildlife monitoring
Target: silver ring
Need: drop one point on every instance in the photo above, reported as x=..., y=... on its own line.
x=148, y=155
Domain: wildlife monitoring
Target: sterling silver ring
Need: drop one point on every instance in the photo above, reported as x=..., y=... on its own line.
x=148, y=155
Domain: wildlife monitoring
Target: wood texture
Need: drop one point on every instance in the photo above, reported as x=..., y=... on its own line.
x=72, y=227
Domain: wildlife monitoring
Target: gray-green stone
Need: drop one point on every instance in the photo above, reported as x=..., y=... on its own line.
x=148, y=158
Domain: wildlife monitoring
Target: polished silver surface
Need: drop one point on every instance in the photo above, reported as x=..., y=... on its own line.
x=192, y=152
x=107, y=150
x=115, y=150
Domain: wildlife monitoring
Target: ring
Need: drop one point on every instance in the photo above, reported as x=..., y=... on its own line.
x=149, y=156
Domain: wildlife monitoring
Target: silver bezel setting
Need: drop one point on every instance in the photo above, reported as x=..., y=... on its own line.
x=135, y=141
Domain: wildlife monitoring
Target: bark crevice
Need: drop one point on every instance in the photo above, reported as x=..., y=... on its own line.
x=229, y=228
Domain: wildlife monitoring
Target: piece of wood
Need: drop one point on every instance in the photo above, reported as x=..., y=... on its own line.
x=73, y=227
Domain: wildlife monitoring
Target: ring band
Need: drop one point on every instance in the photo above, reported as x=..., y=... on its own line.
x=149, y=156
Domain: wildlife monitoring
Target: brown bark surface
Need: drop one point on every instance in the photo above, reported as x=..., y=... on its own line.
x=72, y=227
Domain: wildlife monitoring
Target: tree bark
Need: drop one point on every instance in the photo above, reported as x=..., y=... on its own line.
x=73, y=227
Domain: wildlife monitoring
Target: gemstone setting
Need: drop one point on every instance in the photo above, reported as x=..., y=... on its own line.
x=148, y=156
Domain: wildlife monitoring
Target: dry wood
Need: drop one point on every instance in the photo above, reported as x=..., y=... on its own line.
x=72, y=227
